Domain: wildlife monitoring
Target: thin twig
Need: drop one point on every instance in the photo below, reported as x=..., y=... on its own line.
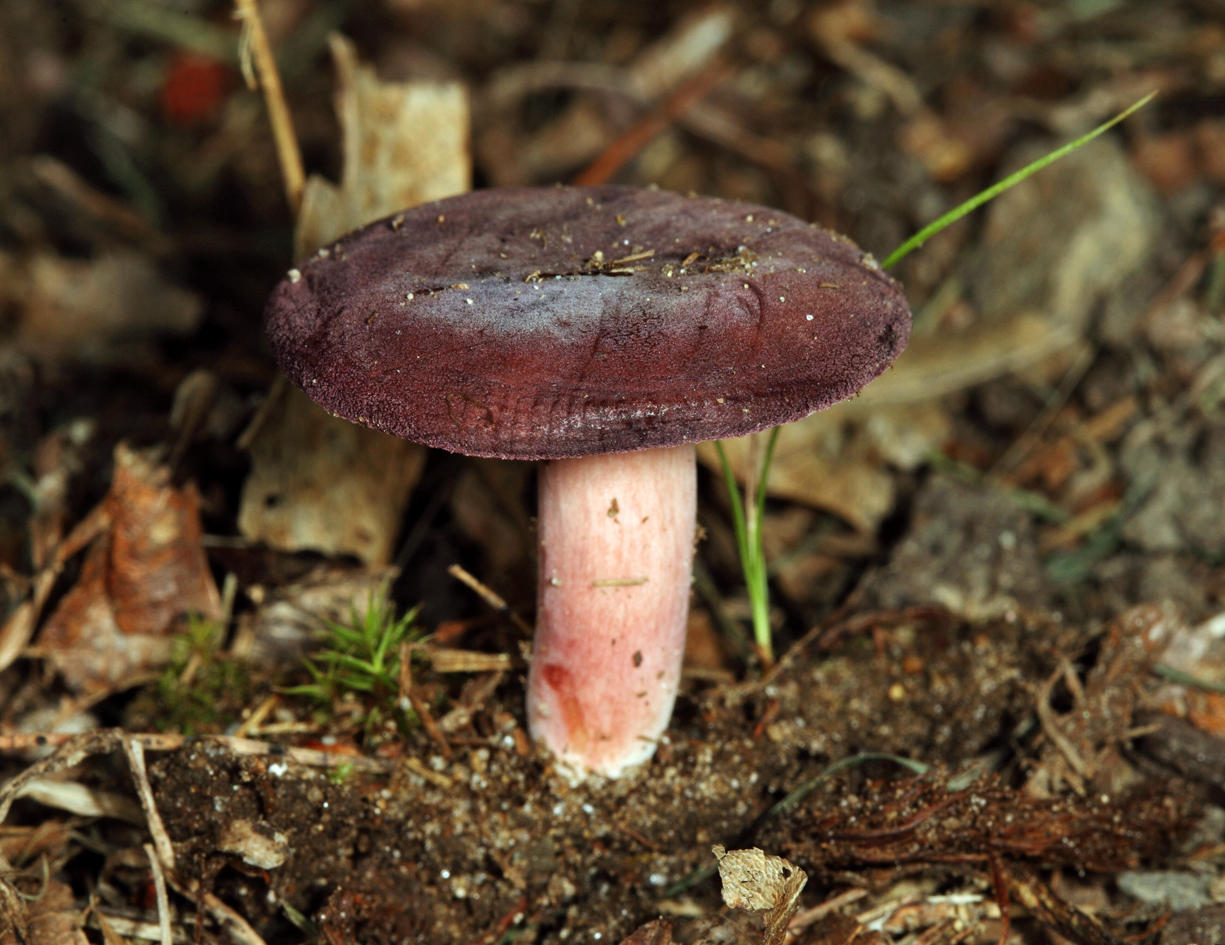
x=159, y=890
x=239, y=929
x=627, y=146
x=135, y=753
x=73, y=749
x=254, y=46
x=821, y=910
x=489, y=596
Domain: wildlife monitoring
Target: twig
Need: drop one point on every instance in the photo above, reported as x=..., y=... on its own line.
x=420, y=707
x=135, y=753
x=1078, y=768
x=489, y=596
x=254, y=46
x=253, y=721
x=159, y=889
x=239, y=929
x=73, y=749
x=821, y=910
x=627, y=145
x=999, y=884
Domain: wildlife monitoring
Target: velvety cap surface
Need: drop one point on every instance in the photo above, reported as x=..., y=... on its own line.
x=546, y=322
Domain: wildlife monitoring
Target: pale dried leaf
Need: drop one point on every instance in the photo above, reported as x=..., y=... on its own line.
x=404, y=143
x=82, y=800
x=758, y=881
x=322, y=484
x=319, y=483
x=836, y=458
x=18, y=628
x=683, y=51
x=259, y=846
x=94, y=310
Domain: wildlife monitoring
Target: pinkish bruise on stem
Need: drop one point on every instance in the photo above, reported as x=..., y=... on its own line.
x=616, y=549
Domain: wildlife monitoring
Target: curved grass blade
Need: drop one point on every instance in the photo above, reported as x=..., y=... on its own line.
x=996, y=189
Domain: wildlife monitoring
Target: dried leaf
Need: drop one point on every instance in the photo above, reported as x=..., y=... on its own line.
x=289, y=619
x=156, y=569
x=404, y=143
x=323, y=484
x=146, y=571
x=50, y=918
x=753, y=879
x=836, y=459
x=317, y=482
x=256, y=843
x=655, y=932
x=94, y=310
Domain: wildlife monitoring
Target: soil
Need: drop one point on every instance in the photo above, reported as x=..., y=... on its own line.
x=997, y=578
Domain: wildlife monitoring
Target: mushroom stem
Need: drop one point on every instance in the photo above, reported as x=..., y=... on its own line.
x=616, y=549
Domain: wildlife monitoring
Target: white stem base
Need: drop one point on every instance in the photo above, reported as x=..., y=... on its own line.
x=616, y=550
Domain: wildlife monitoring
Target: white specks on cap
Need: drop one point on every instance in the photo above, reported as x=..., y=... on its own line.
x=294, y=276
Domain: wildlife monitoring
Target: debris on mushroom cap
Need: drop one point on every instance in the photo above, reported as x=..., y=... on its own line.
x=537, y=323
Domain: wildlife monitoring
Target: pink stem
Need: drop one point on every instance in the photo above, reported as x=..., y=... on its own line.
x=616, y=549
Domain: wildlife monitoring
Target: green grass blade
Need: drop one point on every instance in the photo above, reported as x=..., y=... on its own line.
x=998, y=188
x=757, y=576
x=733, y=498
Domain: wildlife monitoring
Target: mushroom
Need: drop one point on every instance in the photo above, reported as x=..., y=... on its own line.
x=605, y=331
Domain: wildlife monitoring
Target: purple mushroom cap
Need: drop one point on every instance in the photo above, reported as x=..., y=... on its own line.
x=540, y=323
